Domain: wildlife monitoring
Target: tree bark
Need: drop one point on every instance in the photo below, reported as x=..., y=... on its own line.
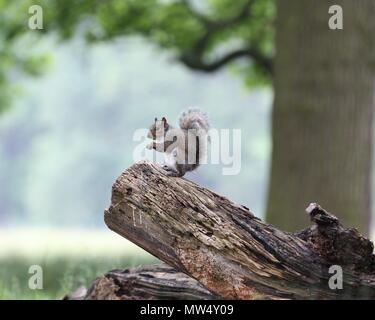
x=230, y=251
x=155, y=282
x=323, y=112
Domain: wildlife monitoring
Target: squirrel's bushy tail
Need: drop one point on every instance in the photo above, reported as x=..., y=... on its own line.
x=194, y=118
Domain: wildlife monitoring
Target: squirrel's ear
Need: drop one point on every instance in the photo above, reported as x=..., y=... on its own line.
x=164, y=121
x=156, y=119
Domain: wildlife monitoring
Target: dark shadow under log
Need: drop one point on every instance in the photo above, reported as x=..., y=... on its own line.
x=231, y=252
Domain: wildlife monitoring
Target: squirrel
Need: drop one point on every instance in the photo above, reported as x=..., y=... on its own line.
x=185, y=147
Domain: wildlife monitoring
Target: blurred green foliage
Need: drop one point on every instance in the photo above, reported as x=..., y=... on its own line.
x=178, y=26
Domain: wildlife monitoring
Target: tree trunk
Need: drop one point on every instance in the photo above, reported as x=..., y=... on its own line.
x=156, y=282
x=231, y=252
x=323, y=112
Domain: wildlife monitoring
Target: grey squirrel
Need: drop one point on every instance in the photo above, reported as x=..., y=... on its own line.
x=185, y=147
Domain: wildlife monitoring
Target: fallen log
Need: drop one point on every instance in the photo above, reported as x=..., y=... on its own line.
x=230, y=251
x=155, y=282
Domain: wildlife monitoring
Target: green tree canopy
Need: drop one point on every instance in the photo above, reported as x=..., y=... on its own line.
x=203, y=36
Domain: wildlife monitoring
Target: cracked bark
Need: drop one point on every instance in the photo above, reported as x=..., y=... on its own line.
x=231, y=252
x=155, y=282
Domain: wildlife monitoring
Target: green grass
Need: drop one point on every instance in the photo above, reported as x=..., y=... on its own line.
x=69, y=259
x=60, y=275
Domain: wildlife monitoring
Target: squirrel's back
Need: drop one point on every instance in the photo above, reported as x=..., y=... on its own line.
x=193, y=118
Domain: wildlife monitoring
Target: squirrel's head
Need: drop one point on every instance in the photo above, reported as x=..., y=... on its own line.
x=159, y=129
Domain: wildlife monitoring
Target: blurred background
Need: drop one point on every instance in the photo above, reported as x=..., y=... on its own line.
x=73, y=93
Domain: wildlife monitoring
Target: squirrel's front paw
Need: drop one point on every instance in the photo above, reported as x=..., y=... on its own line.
x=150, y=146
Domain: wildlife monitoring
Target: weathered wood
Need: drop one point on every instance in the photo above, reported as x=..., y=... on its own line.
x=229, y=250
x=155, y=282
